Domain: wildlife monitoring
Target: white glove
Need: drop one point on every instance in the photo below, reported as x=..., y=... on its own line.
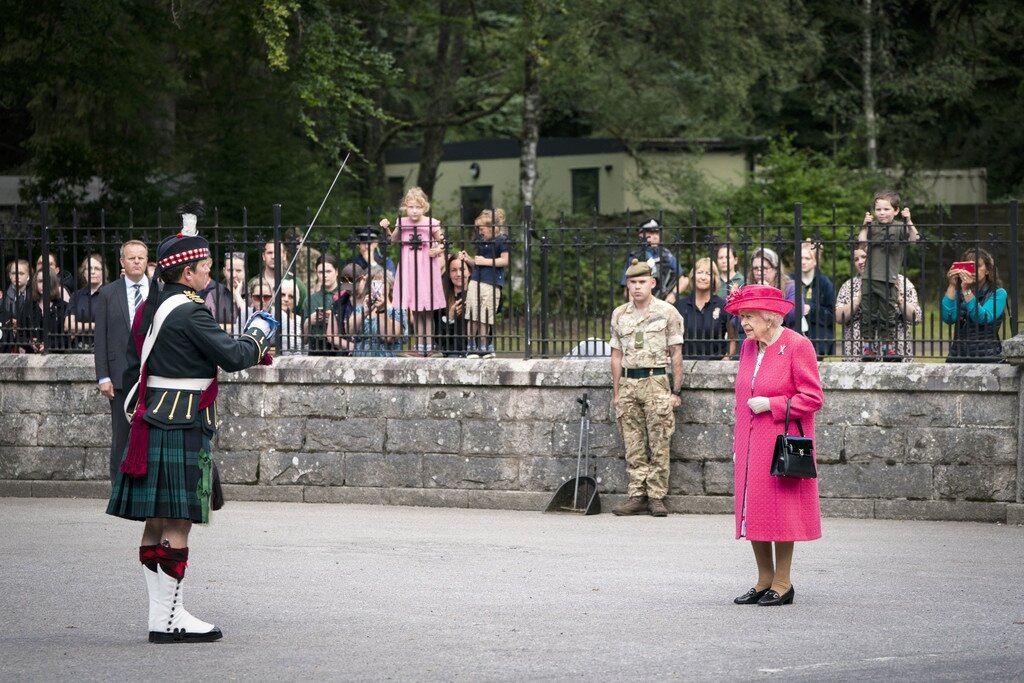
x=262, y=321
x=259, y=324
x=759, y=404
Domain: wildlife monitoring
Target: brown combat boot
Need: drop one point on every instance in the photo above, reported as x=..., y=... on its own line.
x=657, y=507
x=634, y=505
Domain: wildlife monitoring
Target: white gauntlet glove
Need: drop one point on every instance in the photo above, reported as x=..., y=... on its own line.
x=759, y=404
x=262, y=321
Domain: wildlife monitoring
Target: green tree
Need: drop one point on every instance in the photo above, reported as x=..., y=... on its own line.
x=944, y=86
x=100, y=101
x=786, y=174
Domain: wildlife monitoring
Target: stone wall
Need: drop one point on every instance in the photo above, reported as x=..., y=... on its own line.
x=918, y=440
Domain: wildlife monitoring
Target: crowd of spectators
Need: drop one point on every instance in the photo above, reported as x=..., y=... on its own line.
x=356, y=303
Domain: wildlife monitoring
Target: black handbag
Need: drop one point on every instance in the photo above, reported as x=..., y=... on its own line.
x=794, y=455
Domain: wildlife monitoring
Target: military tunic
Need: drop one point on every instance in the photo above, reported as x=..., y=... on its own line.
x=189, y=346
x=644, y=410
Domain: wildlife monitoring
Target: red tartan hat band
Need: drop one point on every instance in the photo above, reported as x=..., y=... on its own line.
x=187, y=256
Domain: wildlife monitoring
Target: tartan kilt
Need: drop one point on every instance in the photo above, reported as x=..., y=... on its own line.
x=178, y=480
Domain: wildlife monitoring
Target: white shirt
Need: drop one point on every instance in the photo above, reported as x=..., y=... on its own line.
x=144, y=290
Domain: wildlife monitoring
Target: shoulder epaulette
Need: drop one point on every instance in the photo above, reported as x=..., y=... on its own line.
x=193, y=297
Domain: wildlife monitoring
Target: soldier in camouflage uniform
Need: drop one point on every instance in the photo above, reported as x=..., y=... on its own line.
x=646, y=334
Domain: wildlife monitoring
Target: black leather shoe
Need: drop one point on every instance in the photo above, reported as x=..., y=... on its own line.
x=771, y=598
x=750, y=597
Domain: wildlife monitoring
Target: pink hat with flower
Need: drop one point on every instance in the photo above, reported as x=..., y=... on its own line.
x=758, y=298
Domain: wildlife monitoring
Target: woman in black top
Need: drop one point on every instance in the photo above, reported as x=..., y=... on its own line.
x=41, y=319
x=705, y=322
x=450, y=322
x=80, y=319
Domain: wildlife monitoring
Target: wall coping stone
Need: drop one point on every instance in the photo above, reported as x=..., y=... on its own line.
x=307, y=370
x=1013, y=350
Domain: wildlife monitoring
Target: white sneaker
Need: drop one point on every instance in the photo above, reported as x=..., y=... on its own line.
x=489, y=354
x=472, y=355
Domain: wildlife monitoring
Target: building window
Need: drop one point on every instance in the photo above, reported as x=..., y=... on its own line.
x=475, y=199
x=585, y=194
x=396, y=190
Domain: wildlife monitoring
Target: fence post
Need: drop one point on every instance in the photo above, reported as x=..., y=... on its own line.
x=1014, y=264
x=44, y=226
x=798, y=283
x=278, y=275
x=527, y=283
x=544, y=297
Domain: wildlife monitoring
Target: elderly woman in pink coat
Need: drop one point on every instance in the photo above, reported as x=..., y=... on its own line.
x=777, y=365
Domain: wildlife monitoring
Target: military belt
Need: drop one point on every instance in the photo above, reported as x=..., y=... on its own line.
x=179, y=383
x=640, y=373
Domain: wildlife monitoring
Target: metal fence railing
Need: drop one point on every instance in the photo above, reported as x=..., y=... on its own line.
x=560, y=285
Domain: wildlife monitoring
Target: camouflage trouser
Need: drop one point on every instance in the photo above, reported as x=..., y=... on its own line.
x=646, y=421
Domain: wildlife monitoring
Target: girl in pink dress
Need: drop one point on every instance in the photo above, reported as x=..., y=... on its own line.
x=418, y=285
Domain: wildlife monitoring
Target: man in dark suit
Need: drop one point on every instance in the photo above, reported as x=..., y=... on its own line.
x=116, y=305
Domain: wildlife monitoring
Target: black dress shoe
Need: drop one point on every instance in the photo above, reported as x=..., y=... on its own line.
x=180, y=636
x=750, y=597
x=771, y=598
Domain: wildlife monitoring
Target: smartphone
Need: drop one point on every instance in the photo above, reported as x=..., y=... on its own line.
x=964, y=265
x=376, y=290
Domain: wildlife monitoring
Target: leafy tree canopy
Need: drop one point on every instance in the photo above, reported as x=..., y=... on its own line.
x=250, y=103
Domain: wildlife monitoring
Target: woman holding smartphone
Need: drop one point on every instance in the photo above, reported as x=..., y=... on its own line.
x=974, y=303
x=379, y=328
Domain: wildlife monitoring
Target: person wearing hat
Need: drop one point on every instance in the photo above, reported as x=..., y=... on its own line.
x=663, y=264
x=368, y=243
x=778, y=367
x=647, y=333
x=167, y=478
x=766, y=269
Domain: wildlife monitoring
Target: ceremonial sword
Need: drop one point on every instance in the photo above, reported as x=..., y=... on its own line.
x=302, y=242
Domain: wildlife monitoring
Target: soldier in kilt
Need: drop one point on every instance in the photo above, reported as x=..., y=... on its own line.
x=167, y=478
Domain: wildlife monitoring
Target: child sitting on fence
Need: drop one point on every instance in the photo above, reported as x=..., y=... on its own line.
x=885, y=243
x=484, y=294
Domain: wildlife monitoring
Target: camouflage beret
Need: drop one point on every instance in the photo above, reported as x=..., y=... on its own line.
x=639, y=268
